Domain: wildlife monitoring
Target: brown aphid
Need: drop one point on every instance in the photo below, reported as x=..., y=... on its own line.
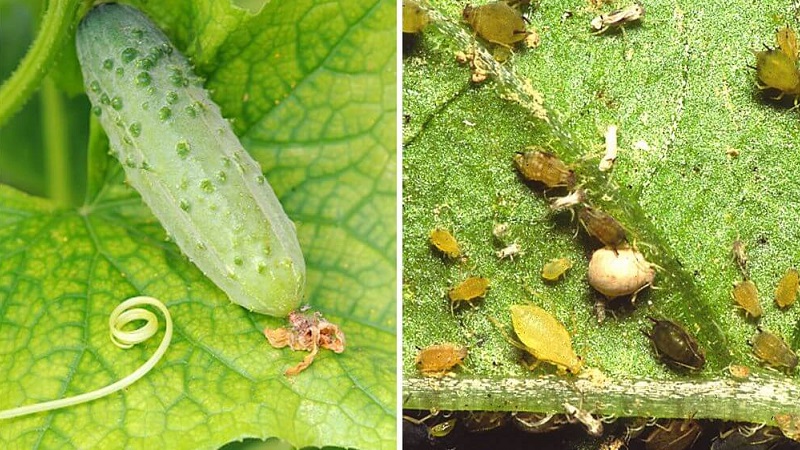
x=675, y=434
x=617, y=18
x=438, y=360
x=745, y=294
x=545, y=168
x=496, y=22
x=602, y=226
x=773, y=351
x=470, y=289
x=443, y=241
x=615, y=273
x=555, y=268
x=544, y=337
x=786, y=292
x=415, y=18
x=787, y=42
x=675, y=346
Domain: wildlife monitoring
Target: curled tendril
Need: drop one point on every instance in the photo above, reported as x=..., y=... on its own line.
x=125, y=313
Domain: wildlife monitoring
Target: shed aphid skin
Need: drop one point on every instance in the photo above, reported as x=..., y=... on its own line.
x=545, y=168
x=611, y=149
x=306, y=332
x=618, y=272
x=675, y=346
x=618, y=18
x=740, y=257
x=593, y=425
x=555, y=268
x=578, y=197
x=496, y=22
x=543, y=337
x=773, y=351
x=479, y=421
x=467, y=291
x=438, y=360
x=602, y=226
x=509, y=252
x=444, y=242
x=675, y=434
x=786, y=292
x=415, y=18
x=745, y=294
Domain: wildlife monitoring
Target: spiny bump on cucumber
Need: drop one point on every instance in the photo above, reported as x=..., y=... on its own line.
x=179, y=153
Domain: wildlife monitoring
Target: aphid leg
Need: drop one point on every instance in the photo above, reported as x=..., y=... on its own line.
x=506, y=336
x=751, y=430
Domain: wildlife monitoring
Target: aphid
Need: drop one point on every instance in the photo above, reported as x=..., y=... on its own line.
x=617, y=18
x=442, y=429
x=568, y=201
x=745, y=294
x=764, y=438
x=470, y=289
x=773, y=351
x=437, y=360
x=675, y=345
x=593, y=426
x=478, y=421
x=553, y=270
x=739, y=371
x=611, y=149
x=740, y=256
x=787, y=42
x=415, y=18
x=776, y=70
x=496, y=22
x=308, y=332
x=676, y=434
x=544, y=337
x=615, y=273
x=499, y=230
x=786, y=292
x=443, y=241
x=545, y=168
x=602, y=226
x=789, y=425
x=531, y=422
x=509, y=251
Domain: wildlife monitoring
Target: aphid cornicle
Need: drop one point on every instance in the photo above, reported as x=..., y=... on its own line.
x=544, y=167
x=745, y=294
x=544, y=337
x=773, y=351
x=470, y=289
x=675, y=346
x=602, y=226
x=786, y=292
x=443, y=241
x=497, y=22
x=438, y=360
x=616, y=19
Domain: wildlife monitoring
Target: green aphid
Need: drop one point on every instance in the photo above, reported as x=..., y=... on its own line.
x=496, y=22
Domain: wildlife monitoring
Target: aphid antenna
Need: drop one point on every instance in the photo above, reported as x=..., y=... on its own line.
x=506, y=335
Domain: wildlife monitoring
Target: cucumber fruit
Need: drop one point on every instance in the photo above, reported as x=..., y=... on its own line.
x=184, y=159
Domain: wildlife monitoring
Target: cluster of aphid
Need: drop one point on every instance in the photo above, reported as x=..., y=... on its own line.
x=502, y=24
x=441, y=429
x=776, y=68
x=767, y=347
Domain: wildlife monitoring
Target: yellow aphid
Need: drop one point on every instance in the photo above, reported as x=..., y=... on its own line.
x=415, y=19
x=786, y=292
x=437, y=360
x=544, y=337
x=776, y=70
x=773, y=351
x=745, y=294
x=445, y=243
x=470, y=289
x=553, y=270
x=787, y=42
x=497, y=22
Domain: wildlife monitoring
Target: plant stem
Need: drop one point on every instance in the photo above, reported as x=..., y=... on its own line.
x=56, y=144
x=54, y=33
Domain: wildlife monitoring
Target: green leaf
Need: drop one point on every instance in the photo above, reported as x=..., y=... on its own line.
x=679, y=82
x=321, y=121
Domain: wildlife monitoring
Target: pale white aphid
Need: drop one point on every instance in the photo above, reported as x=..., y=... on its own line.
x=509, y=252
x=611, y=149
